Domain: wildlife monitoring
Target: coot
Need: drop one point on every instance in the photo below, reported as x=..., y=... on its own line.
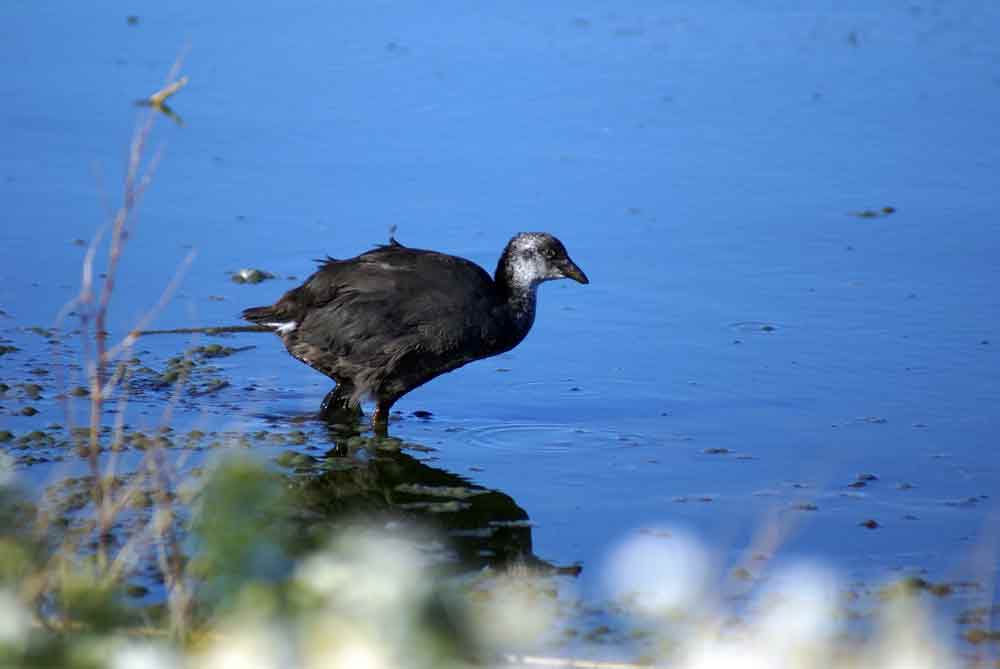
x=394, y=318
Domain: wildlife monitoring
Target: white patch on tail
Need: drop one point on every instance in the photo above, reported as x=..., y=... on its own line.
x=283, y=328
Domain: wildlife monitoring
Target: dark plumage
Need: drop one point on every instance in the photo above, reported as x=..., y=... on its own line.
x=394, y=318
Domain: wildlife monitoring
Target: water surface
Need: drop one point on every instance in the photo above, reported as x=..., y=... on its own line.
x=748, y=344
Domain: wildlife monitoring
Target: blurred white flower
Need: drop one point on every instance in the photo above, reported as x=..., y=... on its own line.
x=798, y=609
x=135, y=655
x=661, y=573
x=356, y=657
x=724, y=654
x=328, y=640
x=352, y=655
x=324, y=574
x=794, y=623
x=516, y=609
x=256, y=646
x=15, y=621
x=909, y=639
x=368, y=575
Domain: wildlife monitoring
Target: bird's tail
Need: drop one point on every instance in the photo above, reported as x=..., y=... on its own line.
x=260, y=314
x=271, y=317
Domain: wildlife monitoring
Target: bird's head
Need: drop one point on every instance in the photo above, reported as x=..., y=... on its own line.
x=533, y=257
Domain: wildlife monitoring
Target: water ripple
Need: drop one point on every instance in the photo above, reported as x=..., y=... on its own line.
x=551, y=438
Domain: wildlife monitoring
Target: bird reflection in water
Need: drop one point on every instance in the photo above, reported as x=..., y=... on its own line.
x=372, y=480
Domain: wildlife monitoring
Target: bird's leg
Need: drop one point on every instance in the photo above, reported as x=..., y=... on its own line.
x=380, y=418
x=336, y=406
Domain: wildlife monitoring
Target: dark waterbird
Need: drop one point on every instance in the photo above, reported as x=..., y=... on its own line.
x=394, y=318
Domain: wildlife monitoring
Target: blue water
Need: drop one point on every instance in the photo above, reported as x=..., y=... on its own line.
x=702, y=164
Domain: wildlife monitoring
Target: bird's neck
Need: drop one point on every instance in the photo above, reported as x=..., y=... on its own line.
x=518, y=297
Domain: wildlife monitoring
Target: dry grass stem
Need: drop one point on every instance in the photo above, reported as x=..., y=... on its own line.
x=159, y=97
x=105, y=370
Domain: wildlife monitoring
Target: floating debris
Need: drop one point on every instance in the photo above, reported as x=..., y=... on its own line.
x=32, y=390
x=874, y=213
x=755, y=327
x=217, y=350
x=967, y=503
x=209, y=387
x=863, y=480
x=251, y=275
x=978, y=636
x=874, y=420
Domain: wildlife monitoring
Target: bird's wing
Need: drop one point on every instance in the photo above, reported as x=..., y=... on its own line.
x=401, y=295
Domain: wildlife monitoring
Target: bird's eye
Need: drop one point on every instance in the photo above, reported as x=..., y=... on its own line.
x=549, y=253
